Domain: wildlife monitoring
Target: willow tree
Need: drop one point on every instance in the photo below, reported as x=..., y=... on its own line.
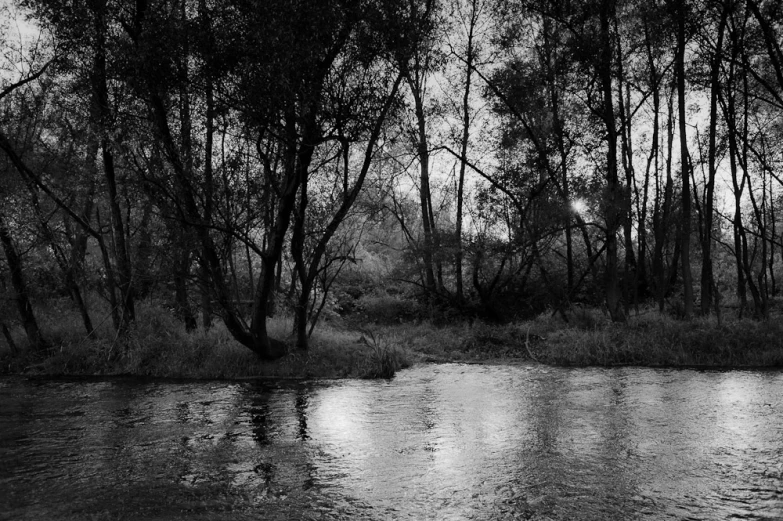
x=275, y=67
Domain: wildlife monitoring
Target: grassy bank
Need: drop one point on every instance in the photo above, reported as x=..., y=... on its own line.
x=159, y=346
x=589, y=338
x=653, y=339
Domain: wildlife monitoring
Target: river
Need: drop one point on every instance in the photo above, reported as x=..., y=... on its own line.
x=445, y=441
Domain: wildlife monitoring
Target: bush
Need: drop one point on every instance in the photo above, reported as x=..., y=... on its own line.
x=386, y=309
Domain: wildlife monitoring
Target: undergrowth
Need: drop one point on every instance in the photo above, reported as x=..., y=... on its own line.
x=158, y=345
x=655, y=339
x=588, y=337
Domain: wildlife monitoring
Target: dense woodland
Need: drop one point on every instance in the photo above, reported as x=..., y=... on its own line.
x=487, y=158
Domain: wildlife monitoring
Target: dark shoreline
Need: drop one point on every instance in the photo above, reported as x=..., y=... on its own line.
x=341, y=349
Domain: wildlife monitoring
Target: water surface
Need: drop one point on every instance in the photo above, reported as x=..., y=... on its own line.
x=436, y=442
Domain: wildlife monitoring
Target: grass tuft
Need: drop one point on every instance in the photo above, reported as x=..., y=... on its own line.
x=384, y=359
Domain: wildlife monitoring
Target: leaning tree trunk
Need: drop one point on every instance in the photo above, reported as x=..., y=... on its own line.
x=22, y=298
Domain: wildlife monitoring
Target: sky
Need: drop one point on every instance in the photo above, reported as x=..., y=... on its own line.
x=18, y=37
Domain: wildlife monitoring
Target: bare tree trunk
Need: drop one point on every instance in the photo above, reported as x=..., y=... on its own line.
x=469, y=59
x=300, y=269
x=665, y=221
x=759, y=286
x=707, y=277
x=614, y=204
x=308, y=275
x=19, y=284
x=111, y=282
x=77, y=240
x=551, y=43
x=642, y=209
x=182, y=263
x=102, y=115
x=772, y=235
x=143, y=258
x=209, y=123
x=425, y=198
x=9, y=339
x=685, y=239
x=630, y=274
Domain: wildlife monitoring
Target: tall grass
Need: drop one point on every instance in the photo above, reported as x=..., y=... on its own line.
x=158, y=345
x=464, y=342
x=588, y=338
x=655, y=339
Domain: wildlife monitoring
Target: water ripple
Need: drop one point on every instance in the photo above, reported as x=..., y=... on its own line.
x=437, y=442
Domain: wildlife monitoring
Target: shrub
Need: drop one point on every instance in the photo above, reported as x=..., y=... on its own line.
x=386, y=309
x=383, y=360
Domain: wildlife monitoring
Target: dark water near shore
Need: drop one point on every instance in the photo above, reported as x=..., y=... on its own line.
x=436, y=442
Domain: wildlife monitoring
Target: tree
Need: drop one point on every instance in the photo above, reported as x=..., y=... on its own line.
x=707, y=277
x=30, y=73
x=685, y=234
x=416, y=57
x=469, y=14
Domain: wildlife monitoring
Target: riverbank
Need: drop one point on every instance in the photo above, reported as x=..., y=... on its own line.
x=589, y=338
x=656, y=340
x=159, y=346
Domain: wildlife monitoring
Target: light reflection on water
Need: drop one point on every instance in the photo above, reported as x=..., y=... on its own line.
x=436, y=442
